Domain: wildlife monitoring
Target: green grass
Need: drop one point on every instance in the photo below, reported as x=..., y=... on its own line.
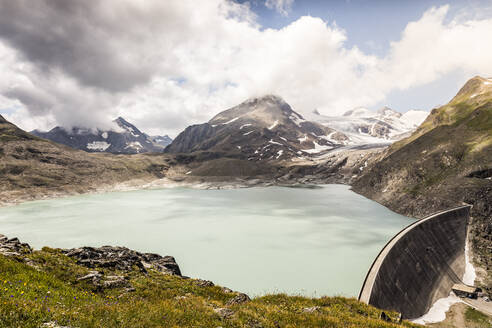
x=474, y=316
x=47, y=290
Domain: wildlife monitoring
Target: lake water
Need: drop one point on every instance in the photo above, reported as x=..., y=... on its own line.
x=311, y=242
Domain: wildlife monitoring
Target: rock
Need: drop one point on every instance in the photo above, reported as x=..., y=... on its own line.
x=227, y=290
x=13, y=247
x=123, y=259
x=95, y=276
x=238, y=299
x=224, y=313
x=311, y=309
x=254, y=324
x=114, y=282
x=52, y=324
x=383, y=316
x=203, y=283
x=98, y=279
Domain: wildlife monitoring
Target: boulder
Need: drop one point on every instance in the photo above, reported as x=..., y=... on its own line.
x=238, y=299
x=123, y=259
x=224, y=313
x=13, y=247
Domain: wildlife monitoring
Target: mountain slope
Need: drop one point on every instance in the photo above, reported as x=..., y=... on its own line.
x=125, y=138
x=257, y=129
x=447, y=161
x=32, y=167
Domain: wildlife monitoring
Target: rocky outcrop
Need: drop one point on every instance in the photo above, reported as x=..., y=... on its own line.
x=13, y=247
x=123, y=259
x=238, y=299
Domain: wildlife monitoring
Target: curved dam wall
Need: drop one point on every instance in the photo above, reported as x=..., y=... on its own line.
x=419, y=265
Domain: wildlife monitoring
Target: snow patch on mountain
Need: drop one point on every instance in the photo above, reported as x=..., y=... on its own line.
x=317, y=148
x=135, y=145
x=273, y=125
x=98, y=145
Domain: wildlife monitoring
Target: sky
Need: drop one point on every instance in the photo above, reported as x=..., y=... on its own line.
x=164, y=65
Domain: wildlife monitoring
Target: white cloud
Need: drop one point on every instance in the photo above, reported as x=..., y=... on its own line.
x=167, y=64
x=282, y=6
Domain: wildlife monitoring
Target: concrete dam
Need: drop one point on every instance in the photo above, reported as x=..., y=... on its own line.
x=419, y=265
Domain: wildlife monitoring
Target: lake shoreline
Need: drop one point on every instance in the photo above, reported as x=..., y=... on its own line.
x=16, y=197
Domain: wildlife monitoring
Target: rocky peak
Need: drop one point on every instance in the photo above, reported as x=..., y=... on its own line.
x=388, y=112
x=122, y=138
x=263, y=111
x=267, y=102
x=266, y=99
x=2, y=120
x=124, y=124
x=474, y=87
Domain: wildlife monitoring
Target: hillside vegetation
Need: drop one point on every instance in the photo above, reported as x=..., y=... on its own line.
x=446, y=162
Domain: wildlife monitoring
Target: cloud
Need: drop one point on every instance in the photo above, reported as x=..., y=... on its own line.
x=167, y=64
x=282, y=6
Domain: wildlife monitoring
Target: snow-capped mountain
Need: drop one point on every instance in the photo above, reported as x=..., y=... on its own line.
x=257, y=129
x=124, y=138
x=363, y=126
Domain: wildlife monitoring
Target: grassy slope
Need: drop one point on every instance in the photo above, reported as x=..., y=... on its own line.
x=31, y=166
x=50, y=292
x=443, y=164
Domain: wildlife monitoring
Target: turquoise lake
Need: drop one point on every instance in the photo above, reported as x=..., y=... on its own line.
x=300, y=241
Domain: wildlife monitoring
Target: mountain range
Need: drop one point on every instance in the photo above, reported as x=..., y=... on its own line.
x=263, y=128
x=445, y=162
x=124, y=138
x=267, y=128
x=362, y=126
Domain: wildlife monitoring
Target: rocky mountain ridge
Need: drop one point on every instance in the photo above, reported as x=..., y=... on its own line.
x=124, y=138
